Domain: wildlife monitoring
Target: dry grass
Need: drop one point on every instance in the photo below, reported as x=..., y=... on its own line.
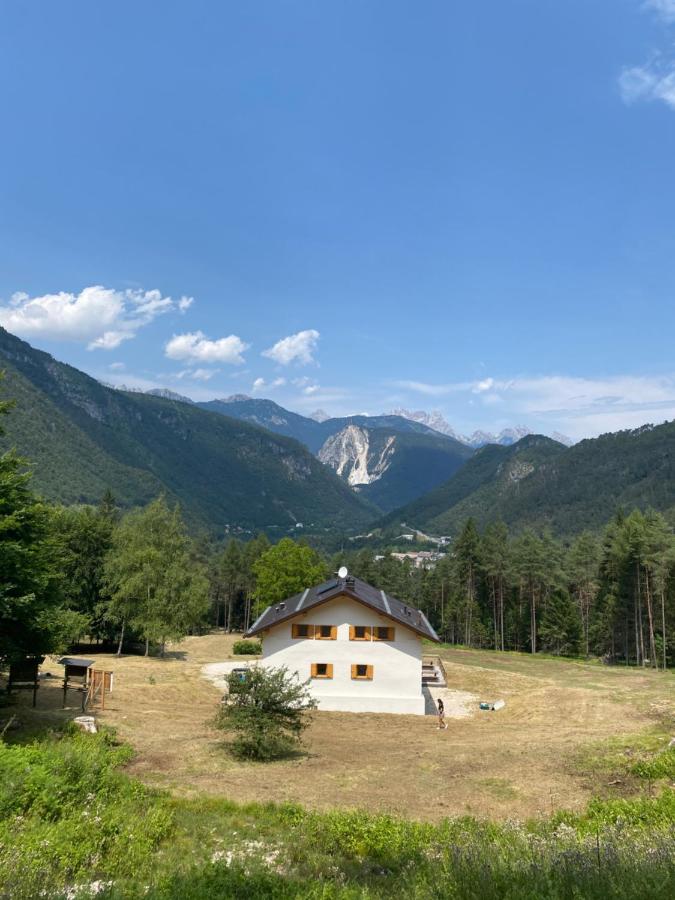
x=522, y=761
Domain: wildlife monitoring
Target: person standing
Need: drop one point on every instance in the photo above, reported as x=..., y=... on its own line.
x=442, y=724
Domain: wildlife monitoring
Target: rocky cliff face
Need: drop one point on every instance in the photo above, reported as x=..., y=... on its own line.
x=356, y=457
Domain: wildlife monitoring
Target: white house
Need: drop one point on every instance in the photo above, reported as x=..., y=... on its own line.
x=361, y=648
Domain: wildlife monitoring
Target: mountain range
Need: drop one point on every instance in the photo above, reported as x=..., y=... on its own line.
x=506, y=436
x=245, y=463
x=82, y=437
x=541, y=483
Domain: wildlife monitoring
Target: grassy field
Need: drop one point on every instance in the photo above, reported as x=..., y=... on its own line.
x=570, y=731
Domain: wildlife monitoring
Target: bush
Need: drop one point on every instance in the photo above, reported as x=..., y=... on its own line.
x=267, y=712
x=247, y=648
x=66, y=810
x=661, y=766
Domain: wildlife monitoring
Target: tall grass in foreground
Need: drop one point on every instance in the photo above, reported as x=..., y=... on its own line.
x=70, y=818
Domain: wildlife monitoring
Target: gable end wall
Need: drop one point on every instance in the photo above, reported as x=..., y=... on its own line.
x=397, y=665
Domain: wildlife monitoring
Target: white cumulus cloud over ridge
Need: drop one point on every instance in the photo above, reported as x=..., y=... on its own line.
x=581, y=407
x=196, y=347
x=100, y=317
x=296, y=348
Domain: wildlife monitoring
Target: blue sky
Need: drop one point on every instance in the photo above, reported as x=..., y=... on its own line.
x=352, y=205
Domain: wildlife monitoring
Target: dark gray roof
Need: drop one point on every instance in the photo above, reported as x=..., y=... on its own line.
x=358, y=590
x=74, y=661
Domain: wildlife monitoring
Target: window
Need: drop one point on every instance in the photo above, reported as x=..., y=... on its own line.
x=359, y=632
x=384, y=633
x=322, y=670
x=325, y=632
x=362, y=672
x=302, y=630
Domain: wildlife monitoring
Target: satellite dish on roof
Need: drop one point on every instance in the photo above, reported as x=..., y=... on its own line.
x=343, y=572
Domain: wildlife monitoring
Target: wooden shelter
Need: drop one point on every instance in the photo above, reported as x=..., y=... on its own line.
x=24, y=675
x=76, y=677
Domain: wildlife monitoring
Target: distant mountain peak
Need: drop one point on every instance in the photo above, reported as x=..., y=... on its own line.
x=235, y=398
x=507, y=436
x=167, y=394
x=435, y=419
x=319, y=415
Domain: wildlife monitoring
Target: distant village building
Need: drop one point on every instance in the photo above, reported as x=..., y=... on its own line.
x=361, y=648
x=421, y=559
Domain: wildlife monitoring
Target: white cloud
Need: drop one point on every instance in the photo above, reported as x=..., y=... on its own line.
x=260, y=384
x=100, y=317
x=298, y=348
x=653, y=81
x=583, y=407
x=117, y=367
x=196, y=347
x=578, y=406
x=665, y=8
x=483, y=386
x=434, y=390
x=196, y=374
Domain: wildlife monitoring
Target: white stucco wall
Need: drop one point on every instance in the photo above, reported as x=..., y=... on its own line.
x=396, y=686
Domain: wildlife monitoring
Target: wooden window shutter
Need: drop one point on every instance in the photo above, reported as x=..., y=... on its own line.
x=369, y=673
x=313, y=670
x=354, y=670
x=333, y=632
x=352, y=633
x=329, y=670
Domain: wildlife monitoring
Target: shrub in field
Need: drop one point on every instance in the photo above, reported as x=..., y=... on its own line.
x=267, y=711
x=247, y=648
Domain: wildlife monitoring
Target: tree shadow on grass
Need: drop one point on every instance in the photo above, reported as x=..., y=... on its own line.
x=297, y=754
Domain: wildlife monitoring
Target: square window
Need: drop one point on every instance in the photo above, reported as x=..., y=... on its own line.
x=362, y=672
x=322, y=670
x=359, y=632
x=326, y=632
x=303, y=631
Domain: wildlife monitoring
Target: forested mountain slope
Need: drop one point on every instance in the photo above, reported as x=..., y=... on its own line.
x=542, y=483
x=83, y=437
